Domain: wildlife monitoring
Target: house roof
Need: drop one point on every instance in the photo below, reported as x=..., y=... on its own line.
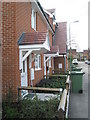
x=32, y=38
x=61, y=37
x=53, y=50
x=51, y=10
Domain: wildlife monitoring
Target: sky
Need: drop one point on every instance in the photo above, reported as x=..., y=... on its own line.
x=70, y=11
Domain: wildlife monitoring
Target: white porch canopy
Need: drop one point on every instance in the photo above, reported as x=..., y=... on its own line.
x=37, y=48
x=54, y=52
x=49, y=56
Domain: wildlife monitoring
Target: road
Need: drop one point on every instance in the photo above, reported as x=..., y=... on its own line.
x=79, y=102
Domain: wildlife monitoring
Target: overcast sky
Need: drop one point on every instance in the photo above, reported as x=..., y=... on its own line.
x=72, y=10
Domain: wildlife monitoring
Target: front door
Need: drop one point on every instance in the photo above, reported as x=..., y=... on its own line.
x=24, y=76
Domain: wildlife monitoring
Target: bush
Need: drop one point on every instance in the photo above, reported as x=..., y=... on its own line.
x=28, y=109
x=11, y=112
x=52, y=83
x=39, y=109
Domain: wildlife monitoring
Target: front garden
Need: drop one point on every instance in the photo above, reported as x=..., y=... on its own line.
x=35, y=108
x=42, y=104
x=54, y=81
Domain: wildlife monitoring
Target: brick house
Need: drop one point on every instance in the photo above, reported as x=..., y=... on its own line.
x=29, y=44
x=27, y=34
x=80, y=56
x=73, y=53
x=50, y=56
x=85, y=54
x=54, y=50
x=60, y=39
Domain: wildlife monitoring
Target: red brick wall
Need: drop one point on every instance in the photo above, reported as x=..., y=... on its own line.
x=23, y=24
x=40, y=73
x=85, y=54
x=50, y=38
x=54, y=27
x=58, y=60
x=51, y=21
x=66, y=63
x=23, y=18
x=0, y=58
x=16, y=19
x=8, y=50
x=41, y=26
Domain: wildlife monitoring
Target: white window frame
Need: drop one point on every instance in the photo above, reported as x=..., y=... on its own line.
x=33, y=19
x=38, y=62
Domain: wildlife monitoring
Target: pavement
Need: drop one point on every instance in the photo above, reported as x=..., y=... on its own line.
x=78, y=107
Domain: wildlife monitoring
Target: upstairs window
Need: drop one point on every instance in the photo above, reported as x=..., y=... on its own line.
x=33, y=19
x=37, y=62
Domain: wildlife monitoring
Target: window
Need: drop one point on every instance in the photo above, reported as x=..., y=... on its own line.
x=39, y=58
x=49, y=62
x=30, y=60
x=37, y=62
x=23, y=66
x=33, y=19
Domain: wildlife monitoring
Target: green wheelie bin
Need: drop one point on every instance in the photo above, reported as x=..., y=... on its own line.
x=76, y=79
x=77, y=69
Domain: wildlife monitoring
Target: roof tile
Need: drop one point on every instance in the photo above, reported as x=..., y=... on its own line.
x=32, y=38
x=61, y=37
x=53, y=50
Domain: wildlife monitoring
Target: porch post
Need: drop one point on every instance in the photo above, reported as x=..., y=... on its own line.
x=20, y=59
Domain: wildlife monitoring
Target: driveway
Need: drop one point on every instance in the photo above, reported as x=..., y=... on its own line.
x=79, y=102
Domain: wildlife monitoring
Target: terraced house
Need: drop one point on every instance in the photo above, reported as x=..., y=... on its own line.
x=60, y=39
x=27, y=36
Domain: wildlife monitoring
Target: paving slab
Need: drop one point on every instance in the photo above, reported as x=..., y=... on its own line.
x=79, y=101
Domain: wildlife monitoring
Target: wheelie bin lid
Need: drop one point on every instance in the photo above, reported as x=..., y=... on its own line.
x=77, y=73
x=78, y=67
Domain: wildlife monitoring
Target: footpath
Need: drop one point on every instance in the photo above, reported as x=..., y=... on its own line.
x=78, y=107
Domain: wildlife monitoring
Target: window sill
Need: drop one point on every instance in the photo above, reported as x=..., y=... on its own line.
x=38, y=69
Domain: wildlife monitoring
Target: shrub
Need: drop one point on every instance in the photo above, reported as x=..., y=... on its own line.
x=39, y=109
x=52, y=83
x=11, y=112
